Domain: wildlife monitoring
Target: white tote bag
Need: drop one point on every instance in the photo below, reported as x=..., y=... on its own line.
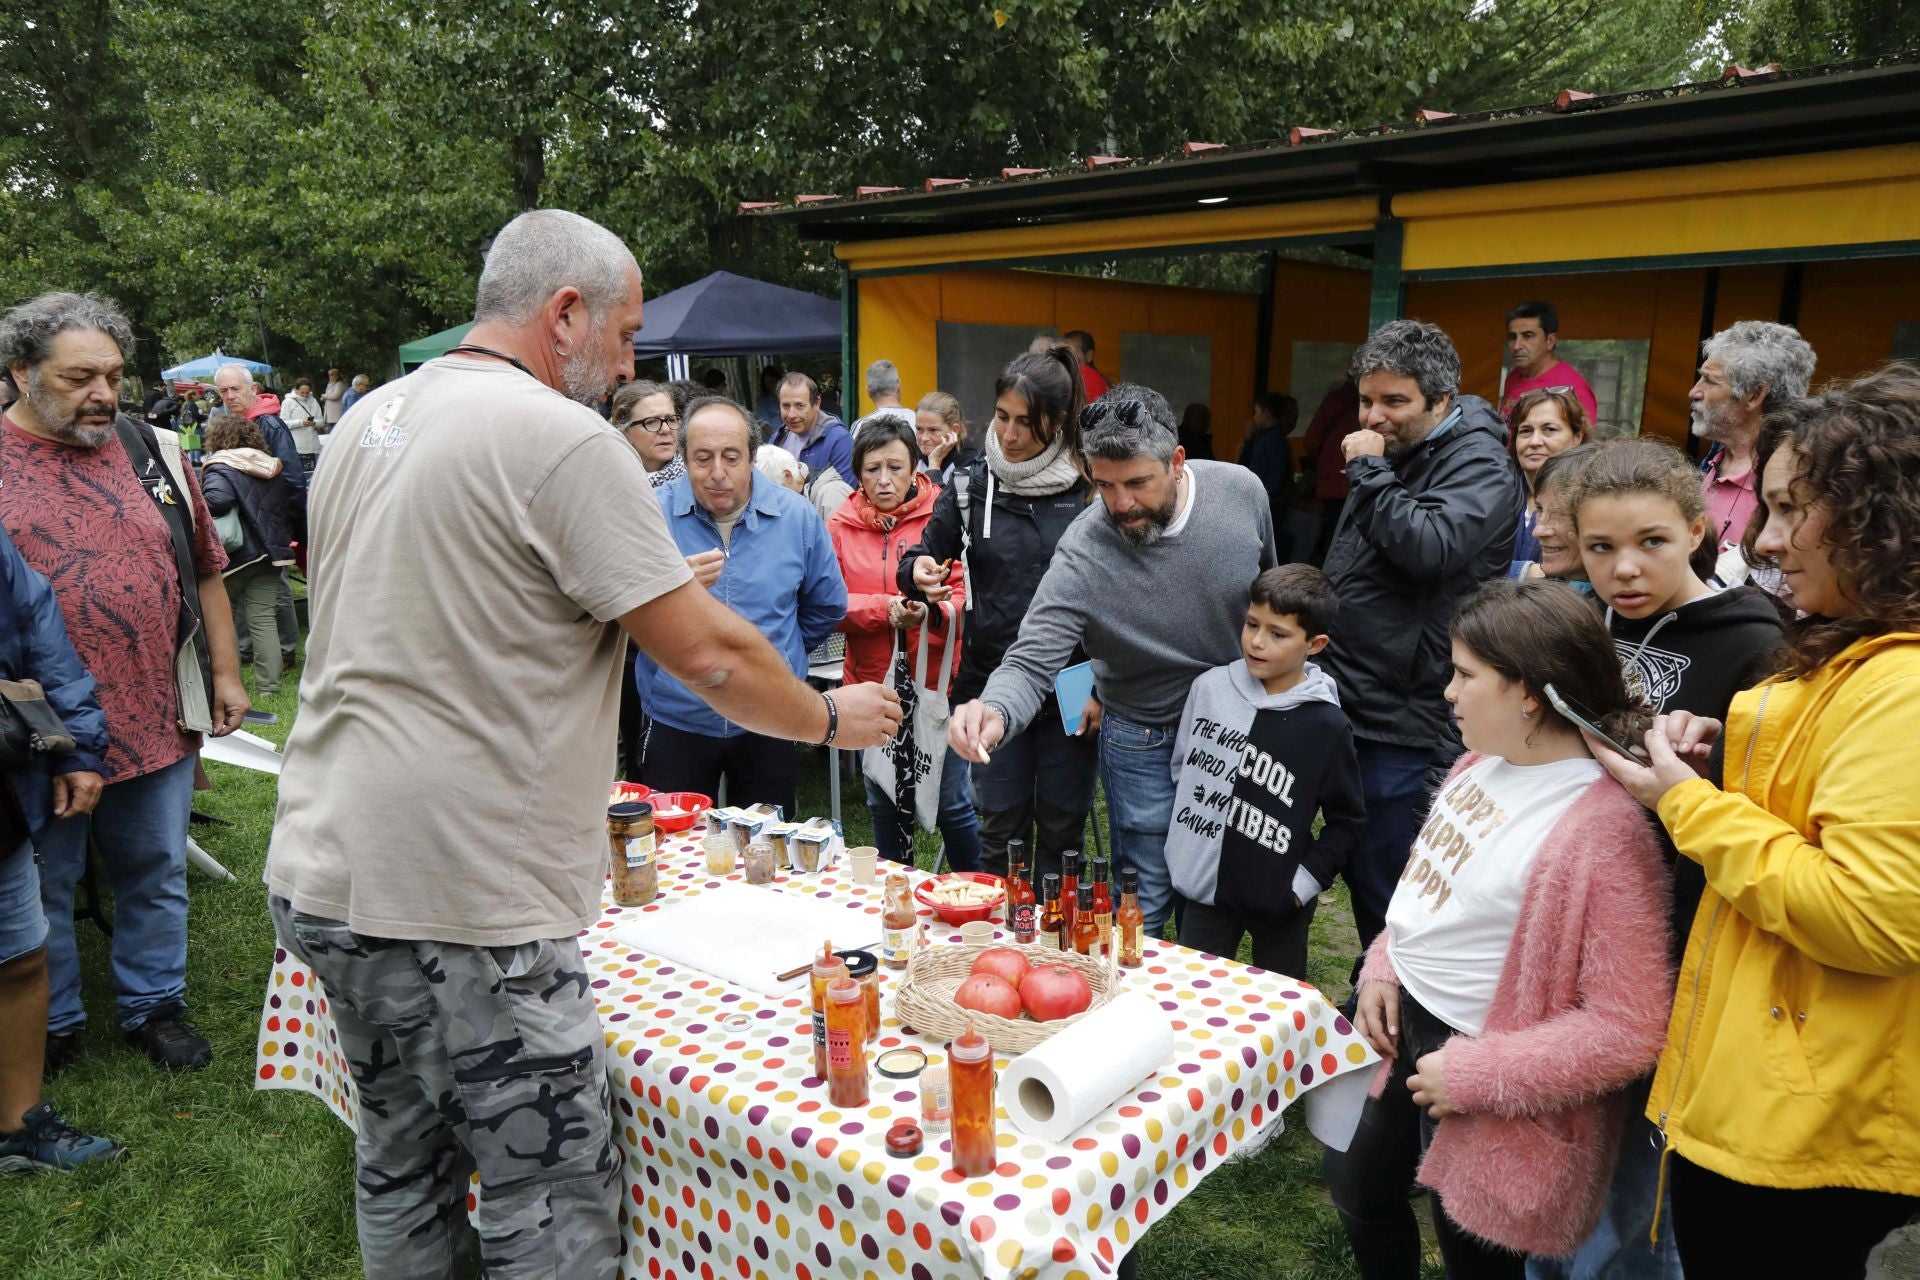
x=929, y=721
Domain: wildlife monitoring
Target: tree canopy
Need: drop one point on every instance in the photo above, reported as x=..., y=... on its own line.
x=331, y=170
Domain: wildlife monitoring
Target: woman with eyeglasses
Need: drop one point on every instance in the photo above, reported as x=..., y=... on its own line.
x=645, y=412
x=649, y=416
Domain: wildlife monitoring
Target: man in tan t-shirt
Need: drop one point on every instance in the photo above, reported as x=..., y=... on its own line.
x=480, y=541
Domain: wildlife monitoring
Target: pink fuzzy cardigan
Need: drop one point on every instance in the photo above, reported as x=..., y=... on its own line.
x=1579, y=1012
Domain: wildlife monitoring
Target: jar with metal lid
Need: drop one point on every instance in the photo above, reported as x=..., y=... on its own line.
x=759, y=861
x=630, y=843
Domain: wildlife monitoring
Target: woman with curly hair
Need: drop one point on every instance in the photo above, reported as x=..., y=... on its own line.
x=1789, y=1090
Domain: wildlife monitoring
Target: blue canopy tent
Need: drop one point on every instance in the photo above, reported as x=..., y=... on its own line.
x=728, y=315
x=203, y=369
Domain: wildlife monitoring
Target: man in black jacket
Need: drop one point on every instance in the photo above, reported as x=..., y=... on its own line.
x=1435, y=500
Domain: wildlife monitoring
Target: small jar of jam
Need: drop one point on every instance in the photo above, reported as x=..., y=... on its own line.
x=759, y=861
x=721, y=853
x=630, y=842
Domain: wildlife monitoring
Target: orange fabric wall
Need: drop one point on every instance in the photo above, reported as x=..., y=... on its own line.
x=1848, y=311
x=1660, y=307
x=898, y=314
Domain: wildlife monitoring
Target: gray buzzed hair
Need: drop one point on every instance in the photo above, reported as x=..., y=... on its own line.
x=1760, y=353
x=1129, y=421
x=883, y=379
x=1413, y=349
x=700, y=403
x=28, y=330
x=543, y=251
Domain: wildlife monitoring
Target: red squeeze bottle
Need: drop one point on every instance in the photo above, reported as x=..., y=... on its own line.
x=970, y=1066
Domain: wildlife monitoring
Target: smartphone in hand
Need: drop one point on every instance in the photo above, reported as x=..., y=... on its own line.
x=1585, y=720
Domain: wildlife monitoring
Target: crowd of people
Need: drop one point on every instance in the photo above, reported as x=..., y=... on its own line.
x=1603, y=743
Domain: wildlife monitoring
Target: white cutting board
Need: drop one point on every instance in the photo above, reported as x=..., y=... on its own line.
x=745, y=934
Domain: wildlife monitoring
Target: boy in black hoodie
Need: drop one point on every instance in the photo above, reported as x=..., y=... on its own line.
x=1263, y=748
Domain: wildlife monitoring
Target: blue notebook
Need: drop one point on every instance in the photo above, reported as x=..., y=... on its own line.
x=1073, y=687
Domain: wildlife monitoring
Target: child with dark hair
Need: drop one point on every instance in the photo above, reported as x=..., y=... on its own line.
x=1263, y=749
x=1522, y=979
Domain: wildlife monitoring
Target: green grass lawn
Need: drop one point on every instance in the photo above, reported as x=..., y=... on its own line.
x=225, y=1181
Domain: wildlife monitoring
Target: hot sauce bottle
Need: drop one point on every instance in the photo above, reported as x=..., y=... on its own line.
x=846, y=1043
x=826, y=967
x=1022, y=911
x=1086, y=934
x=1052, y=920
x=1102, y=904
x=1069, y=895
x=896, y=921
x=1132, y=926
x=970, y=1064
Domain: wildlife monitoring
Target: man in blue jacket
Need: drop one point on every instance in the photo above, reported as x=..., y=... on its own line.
x=34, y=646
x=763, y=551
x=809, y=432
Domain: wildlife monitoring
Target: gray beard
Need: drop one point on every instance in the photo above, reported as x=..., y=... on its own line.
x=67, y=430
x=581, y=378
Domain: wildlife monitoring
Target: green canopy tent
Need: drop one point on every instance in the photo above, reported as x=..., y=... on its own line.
x=421, y=350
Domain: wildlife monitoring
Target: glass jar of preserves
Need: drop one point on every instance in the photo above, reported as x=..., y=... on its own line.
x=759, y=861
x=721, y=853
x=630, y=844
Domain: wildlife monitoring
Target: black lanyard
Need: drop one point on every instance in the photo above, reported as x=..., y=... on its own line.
x=489, y=351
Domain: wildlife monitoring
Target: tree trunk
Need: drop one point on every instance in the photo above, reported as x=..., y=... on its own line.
x=529, y=168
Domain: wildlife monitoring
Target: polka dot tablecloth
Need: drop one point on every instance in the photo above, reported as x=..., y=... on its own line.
x=737, y=1164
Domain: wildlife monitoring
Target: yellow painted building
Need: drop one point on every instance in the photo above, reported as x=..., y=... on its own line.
x=1649, y=219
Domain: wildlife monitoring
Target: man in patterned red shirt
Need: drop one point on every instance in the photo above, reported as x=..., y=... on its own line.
x=116, y=535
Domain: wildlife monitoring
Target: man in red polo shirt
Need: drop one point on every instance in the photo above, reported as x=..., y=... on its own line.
x=115, y=534
x=1533, y=334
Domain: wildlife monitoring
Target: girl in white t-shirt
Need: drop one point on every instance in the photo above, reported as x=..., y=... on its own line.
x=1523, y=976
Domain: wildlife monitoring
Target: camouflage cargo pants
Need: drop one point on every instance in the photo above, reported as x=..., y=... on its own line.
x=466, y=1058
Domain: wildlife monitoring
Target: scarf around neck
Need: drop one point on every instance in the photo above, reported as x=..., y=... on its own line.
x=1047, y=472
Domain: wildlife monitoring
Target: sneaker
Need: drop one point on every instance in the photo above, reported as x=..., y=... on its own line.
x=170, y=1042
x=62, y=1048
x=45, y=1141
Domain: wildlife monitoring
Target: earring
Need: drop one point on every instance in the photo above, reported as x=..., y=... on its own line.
x=1526, y=715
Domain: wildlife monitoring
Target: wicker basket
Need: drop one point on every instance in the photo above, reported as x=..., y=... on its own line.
x=924, y=1000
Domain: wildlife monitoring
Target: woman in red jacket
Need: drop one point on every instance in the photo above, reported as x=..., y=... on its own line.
x=1523, y=977
x=885, y=516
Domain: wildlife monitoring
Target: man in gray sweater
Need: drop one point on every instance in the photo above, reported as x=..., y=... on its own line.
x=1153, y=585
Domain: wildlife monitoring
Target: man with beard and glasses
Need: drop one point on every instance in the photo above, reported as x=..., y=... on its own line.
x=113, y=520
x=1433, y=503
x=483, y=546
x=1152, y=583
x=1747, y=370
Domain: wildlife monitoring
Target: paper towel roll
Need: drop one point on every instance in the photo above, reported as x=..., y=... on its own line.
x=1051, y=1090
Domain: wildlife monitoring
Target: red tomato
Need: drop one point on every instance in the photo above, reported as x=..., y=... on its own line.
x=984, y=993
x=1005, y=964
x=1055, y=991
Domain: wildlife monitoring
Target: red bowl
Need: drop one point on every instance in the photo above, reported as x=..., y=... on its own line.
x=678, y=810
x=628, y=792
x=962, y=915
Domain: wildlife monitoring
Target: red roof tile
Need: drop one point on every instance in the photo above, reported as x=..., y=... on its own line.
x=1568, y=99
x=874, y=191
x=1301, y=133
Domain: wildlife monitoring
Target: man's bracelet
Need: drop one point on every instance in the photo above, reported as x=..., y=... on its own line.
x=833, y=719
